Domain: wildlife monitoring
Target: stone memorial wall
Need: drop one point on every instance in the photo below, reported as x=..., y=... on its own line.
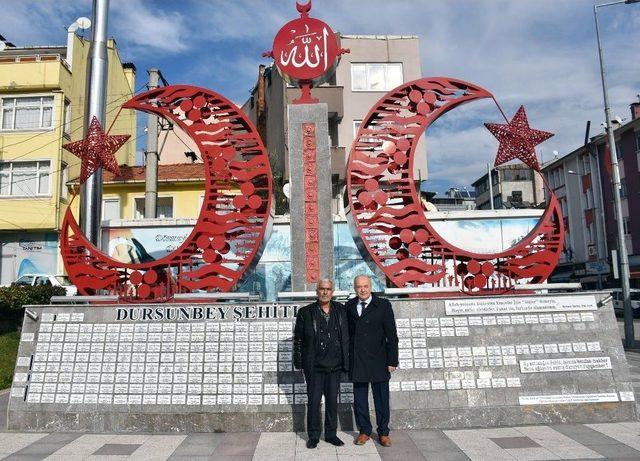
x=463, y=362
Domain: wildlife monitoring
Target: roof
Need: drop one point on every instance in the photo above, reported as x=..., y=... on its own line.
x=594, y=140
x=181, y=172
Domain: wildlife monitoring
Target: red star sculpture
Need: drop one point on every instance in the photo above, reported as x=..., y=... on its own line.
x=517, y=140
x=97, y=150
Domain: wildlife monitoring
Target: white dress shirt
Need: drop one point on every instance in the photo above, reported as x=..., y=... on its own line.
x=360, y=307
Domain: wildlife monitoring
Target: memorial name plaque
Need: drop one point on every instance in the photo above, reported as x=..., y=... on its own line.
x=226, y=367
x=516, y=305
x=569, y=364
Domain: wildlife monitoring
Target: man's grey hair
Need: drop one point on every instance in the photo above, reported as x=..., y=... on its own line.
x=325, y=280
x=361, y=275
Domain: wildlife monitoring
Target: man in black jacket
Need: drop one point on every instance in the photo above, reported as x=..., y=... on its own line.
x=321, y=350
x=374, y=355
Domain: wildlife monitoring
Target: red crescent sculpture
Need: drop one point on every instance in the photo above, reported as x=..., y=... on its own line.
x=388, y=218
x=231, y=226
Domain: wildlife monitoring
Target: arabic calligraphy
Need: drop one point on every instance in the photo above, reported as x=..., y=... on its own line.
x=305, y=49
x=319, y=53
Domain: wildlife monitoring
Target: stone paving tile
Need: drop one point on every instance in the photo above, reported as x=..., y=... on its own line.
x=528, y=454
x=557, y=443
x=117, y=449
x=4, y=402
x=402, y=447
x=514, y=442
x=197, y=446
x=12, y=442
x=597, y=441
x=157, y=447
x=626, y=433
x=484, y=455
x=83, y=445
x=435, y=445
x=276, y=446
x=238, y=447
x=362, y=457
x=47, y=445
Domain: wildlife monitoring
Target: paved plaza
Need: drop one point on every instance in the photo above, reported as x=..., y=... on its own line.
x=613, y=441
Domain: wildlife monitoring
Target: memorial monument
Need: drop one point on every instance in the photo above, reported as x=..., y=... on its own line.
x=477, y=345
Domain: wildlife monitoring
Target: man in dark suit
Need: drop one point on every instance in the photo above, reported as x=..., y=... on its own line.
x=374, y=355
x=321, y=350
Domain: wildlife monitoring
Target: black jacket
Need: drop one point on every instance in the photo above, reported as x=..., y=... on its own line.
x=373, y=340
x=305, y=332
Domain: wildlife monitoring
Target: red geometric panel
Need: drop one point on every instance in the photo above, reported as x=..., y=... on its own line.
x=391, y=222
x=234, y=216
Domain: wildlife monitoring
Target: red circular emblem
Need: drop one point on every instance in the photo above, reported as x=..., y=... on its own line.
x=306, y=49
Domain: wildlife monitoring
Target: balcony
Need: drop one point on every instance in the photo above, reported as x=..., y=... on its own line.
x=33, y=72
x=331, y=95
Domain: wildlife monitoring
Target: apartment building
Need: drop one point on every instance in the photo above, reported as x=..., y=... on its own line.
x=42, y=99
x=375, y=65
x=582, y=181
x=514, y=186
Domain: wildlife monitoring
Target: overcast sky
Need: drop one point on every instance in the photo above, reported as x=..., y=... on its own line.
x=539, y=53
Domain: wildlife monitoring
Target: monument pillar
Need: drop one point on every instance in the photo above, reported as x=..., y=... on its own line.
x=306, y=53
x=310, y=203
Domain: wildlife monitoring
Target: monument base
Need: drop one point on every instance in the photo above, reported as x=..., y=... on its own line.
x=464, y=362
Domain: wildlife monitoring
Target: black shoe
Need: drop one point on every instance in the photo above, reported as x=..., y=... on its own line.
x=334, y=441
x=312, y=443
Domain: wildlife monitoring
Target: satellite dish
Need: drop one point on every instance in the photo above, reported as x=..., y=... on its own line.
x=83, y=23
x=3, y=45
x=287, y=190
x=555, y=154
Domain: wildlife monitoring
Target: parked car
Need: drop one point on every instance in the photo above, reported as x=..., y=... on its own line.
x=46, y=279
x=617, y=302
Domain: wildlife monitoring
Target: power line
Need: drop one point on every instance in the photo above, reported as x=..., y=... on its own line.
x=61, y=125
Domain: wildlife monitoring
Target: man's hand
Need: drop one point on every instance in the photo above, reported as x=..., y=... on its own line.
x=392, y=369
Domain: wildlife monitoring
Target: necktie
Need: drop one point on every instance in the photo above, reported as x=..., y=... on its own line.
x=362, y=306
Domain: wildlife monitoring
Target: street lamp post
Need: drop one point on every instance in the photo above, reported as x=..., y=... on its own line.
x=629, y=338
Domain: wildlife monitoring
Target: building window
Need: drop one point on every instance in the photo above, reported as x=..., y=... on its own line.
x=356, y=127
x=375, y=76
x=164, y=207
x=516, y=196
x=625, y=225
x=64, y=177
x=25, y=179
x=623, y=188
x=618, y=151
x=586, y=164
x=517, y=175
x=67, y=119
x=638, y=141
x=111, y=208
x=30, y=113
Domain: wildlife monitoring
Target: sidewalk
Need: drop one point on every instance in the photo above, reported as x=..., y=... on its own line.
x=616, y=441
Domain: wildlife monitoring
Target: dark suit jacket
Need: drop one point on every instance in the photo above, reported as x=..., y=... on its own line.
x=373, y=340
x=305, y=332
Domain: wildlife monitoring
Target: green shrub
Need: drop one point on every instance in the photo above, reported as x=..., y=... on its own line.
x=13, y=299
x=8, y=350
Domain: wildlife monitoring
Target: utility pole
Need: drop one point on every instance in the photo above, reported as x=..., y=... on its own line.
x=629, y=335
x=91, y=190
x=490, y=186
x=151, y=156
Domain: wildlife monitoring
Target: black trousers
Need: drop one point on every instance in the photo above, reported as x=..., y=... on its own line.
x=361, y=406
x=319, y=384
